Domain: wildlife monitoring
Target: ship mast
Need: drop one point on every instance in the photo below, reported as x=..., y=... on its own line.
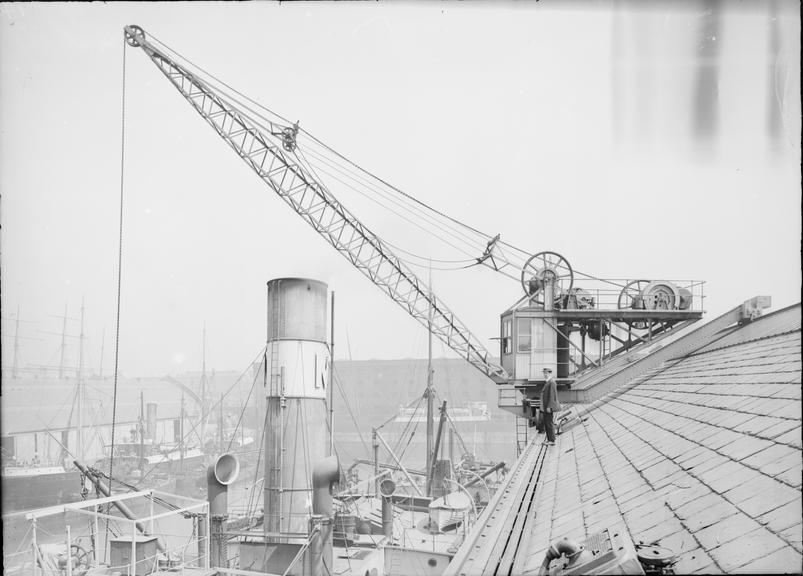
x=63, y=342
x=141, y=430
x=332, y=378
x=220, y=426
x=203, y=386
x=430, y=392
x=102, y=345
x=181, y=434
x=80, y=386
x=16, y=345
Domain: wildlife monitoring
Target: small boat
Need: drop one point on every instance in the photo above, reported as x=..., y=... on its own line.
x=450, y=510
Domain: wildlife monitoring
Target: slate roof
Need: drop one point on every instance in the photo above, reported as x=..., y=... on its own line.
x=702, y=456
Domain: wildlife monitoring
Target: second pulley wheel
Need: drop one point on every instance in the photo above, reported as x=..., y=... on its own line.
x=630, y=298
x=545, y=267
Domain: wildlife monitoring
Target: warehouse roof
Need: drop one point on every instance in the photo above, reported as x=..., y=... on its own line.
x=701, y=455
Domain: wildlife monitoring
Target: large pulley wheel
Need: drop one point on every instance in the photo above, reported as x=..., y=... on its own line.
x=543, y=268
x=661, y=296
x=134, y=36
x=630, y=298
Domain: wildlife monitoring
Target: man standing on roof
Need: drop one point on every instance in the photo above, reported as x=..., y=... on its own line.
x=549, y=405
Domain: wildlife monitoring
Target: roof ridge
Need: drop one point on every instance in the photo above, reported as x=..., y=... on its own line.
x=740, y=343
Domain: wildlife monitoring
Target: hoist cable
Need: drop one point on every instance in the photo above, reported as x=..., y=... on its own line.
x=350, y=411
x=302, y=157
x=119, y=281
x=374, y=200
x=444, y=227
x=308, y=165
x=459, y=264
x=397, y=199
x=320, y=143
x=397, y=190
x=245, y=405
x=412, y=422
x=213, y=80
x=400, y=216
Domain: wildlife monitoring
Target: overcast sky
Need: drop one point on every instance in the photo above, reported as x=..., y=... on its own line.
x=660, y=144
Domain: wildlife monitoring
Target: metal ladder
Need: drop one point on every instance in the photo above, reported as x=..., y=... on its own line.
x=274, y=390
x=273, y=375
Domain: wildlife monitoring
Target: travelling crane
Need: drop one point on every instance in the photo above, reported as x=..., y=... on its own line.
x=270, y=151
x=547, y=328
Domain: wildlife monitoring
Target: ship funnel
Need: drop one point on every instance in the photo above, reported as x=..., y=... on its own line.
x=218, y=477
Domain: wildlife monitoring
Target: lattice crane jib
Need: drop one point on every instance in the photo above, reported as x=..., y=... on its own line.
x=271, y=152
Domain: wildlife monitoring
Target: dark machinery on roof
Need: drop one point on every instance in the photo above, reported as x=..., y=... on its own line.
x=572, y=329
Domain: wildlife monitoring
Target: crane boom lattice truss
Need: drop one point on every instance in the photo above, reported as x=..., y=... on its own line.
x=269, y=155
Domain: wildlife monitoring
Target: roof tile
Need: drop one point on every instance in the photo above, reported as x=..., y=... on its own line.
x=659, y=470
x=744, y=447
x=710, y=569
x=670, y=483
x=746, y=549
x=783, y=517
x=792, y=437
x=770, y=455
x=710, y=515
x=686, y=494
x=699, y=452
x=725, y=530
x=728, y=476
x=789, y=462
x=791, y=410
x=783, y=561
x=690, y=509
x=658, y=532
x=793, y=535
x=757, y=424
x=691, y=561
x=721, y=438
x=712, y=460
x=763, y=502
x=600, y=524
x=679, y=542
x=627, y=493
x=758, y=484
x=780, y=428
x=646, y=516
x=791, y=477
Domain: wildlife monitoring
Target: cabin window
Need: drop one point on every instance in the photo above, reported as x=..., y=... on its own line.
x=524, y=335
x=507, y=336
